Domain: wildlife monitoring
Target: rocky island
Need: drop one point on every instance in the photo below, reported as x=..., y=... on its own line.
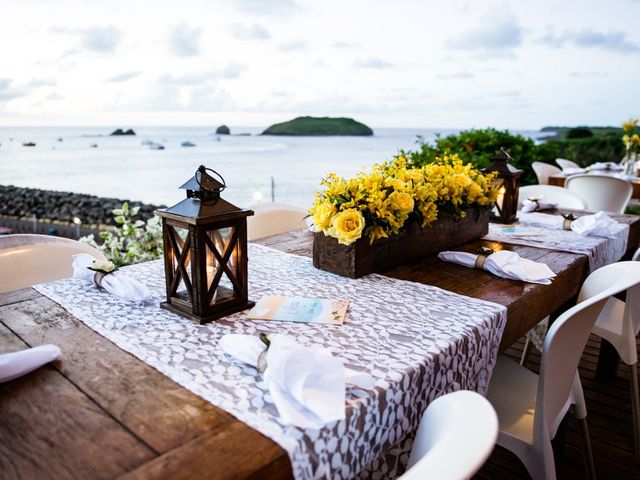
x=319, y=126
x=120, y=131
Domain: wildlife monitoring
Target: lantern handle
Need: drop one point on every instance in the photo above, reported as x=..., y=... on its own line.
x=202, y=169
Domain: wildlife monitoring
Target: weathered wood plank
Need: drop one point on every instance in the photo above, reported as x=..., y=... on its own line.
x=50, y=429
x=152, y=406
x=233, y=452
x=7, y=298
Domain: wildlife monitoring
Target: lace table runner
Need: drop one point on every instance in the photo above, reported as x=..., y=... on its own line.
x=417, y=341
x=601, y=251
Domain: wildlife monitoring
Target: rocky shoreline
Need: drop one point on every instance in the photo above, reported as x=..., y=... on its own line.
x=62, y=207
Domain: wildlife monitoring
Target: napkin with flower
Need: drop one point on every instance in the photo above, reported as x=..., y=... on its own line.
x=531, y=204
x=306, y=384
x=103, y=274
x=504, y=264
x=596, y=225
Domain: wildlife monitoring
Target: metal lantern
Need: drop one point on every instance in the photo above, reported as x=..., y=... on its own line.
x=508, y=183
x=205, y=251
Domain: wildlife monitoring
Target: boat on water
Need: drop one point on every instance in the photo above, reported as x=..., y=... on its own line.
x=156, y=146
x=28, y=144
x=187, y=144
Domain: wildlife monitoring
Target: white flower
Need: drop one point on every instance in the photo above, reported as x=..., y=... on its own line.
x=102, y=266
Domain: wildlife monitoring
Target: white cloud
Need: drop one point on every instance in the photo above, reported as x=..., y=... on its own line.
x=123, y=77
x=101, y=39
x=250, y=32
x=589, y=38
x=498, y=31
x=371, y=63
x=185, y=41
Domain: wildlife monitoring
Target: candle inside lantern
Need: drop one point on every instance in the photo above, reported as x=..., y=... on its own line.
x=500, y=198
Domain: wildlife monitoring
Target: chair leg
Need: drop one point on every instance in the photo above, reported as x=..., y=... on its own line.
x=635, y=405
x=525, y=352
x=586, y=447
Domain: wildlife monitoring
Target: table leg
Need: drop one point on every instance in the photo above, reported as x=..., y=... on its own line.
x=607, y=361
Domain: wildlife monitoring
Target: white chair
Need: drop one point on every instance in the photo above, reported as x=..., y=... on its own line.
x=562, y=196
x=456, y=436
x=564, y=163
x=27, y=259
x=543, y=171
x=619, y=324
x=601, y=192
x=273, y=218
x=530, y=407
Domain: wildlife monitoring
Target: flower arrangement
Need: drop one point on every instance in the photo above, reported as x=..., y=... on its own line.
x=383, y=202
x=631, y=139
x=133, y=241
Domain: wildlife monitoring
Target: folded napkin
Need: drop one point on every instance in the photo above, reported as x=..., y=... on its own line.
x=532, y=204
x=116, y=283
x=504, y=264
x=573, y=170
x=595, y=225
x=605, y=166
x=306, y=384
x=16, y=364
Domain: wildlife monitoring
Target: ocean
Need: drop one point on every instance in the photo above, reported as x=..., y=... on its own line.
x=88, y=160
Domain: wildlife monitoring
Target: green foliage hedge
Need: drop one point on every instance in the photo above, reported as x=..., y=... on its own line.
x=479, y=146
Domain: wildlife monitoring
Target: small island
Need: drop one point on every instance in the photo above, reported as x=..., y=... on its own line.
x=319, y=126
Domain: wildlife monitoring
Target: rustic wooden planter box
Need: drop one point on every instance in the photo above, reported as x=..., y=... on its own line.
x=361, y=258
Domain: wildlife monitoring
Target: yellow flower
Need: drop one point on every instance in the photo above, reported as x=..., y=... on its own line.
x=321, y=214
x=401, y=201
x=347, y=226
x=630, y=125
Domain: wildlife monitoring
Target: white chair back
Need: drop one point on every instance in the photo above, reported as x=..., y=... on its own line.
x=564, y=163
x=543, y=170
x=27, y=259
x=274, y=218
x=601, y=192
x=552, y=193
x=456, y=436
x=566, y=339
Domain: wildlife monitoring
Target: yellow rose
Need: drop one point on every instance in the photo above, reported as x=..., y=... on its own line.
x=322, y=214
x=401, y=201
x=347, y=226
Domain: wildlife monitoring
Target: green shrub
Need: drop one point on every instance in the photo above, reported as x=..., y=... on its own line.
x=133, y=241
x=579, y=132
x=479, y=146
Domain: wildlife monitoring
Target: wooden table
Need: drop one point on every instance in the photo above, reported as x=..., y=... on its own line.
x=102, y=413
x=560, y=179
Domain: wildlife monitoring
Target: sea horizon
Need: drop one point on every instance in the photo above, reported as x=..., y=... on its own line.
x=89, y=160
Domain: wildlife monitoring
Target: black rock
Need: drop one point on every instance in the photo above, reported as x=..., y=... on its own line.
x=119, y=131
x=223, y=130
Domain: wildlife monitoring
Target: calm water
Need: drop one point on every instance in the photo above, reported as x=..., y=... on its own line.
x=124, y=167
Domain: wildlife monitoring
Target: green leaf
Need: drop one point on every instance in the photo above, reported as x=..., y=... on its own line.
x=120, y=219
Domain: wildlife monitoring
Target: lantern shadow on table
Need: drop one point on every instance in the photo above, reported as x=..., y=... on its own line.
x=205, y=251
x=508, y=183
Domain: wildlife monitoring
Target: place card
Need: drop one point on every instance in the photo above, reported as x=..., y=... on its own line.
x=300, y=309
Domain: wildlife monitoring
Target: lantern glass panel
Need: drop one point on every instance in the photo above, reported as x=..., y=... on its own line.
x=222, y=265
x=181, y=260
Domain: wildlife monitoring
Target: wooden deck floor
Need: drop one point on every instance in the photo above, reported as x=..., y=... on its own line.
x=610, y=424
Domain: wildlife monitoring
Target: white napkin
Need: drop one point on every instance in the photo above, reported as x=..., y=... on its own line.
x=505, y=264
x=116, y=283
x=16, y=364
x=307, y=384
x=573, y=170
x=540, y=204
x=595, y=225
x=605, y=166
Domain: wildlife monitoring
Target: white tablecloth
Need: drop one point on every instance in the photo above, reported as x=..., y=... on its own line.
x=418, y=342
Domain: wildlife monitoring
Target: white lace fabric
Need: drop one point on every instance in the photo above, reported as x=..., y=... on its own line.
x=601, y=251
x=418, y=342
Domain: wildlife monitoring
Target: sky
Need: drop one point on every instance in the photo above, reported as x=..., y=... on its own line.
x=402, y=63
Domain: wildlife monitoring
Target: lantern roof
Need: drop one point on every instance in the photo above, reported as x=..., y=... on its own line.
x=502, y=164
x=203, y=203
